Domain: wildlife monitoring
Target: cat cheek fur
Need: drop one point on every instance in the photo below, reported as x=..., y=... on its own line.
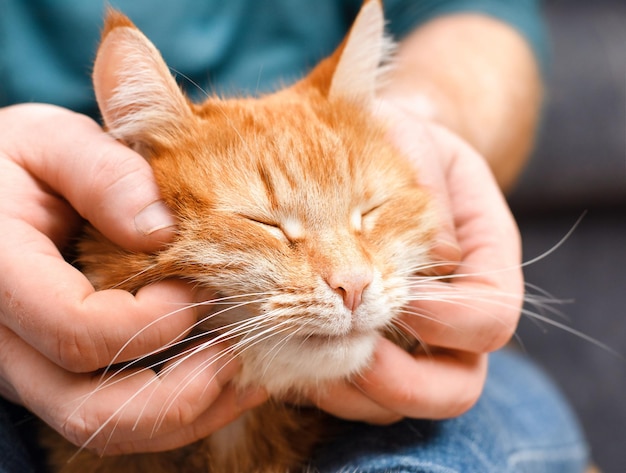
x=295, y=214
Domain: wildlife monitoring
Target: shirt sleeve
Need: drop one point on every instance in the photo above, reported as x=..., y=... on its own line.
x=525, y=16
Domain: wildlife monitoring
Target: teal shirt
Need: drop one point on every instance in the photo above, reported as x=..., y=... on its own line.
x=222, y=46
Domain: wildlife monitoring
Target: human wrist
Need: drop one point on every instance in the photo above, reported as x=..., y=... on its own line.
x=477, y=77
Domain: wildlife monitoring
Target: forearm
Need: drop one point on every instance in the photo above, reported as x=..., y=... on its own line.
x=478, y=77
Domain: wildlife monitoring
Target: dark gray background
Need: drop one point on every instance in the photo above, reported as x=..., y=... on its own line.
x=580, y=165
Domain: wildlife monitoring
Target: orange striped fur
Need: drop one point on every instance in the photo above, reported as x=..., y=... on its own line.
x=293, y=205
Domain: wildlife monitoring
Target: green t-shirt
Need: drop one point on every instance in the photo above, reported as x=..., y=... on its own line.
x=224, y=46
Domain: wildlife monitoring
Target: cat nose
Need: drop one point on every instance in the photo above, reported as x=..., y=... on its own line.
x=350, y=285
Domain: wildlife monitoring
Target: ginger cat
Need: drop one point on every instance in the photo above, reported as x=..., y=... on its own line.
x=293, y=207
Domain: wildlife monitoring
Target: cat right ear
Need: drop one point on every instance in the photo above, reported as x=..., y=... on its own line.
x=355, y=71
x=358, y=70
x=140, y=102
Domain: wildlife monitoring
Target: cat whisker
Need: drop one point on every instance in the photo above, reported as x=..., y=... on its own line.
x=422, y=314
x=180, y=335
x=240, y=347
x=495, y=299
x=123, y=373
x=542, y=302
x=147, y=269
x=274, y=351
x=191, y=81
x=126, y=403
x=405, y=331
x=538, y=298
x=259, y=336
x=576, y=333
x=427, y=267
x=238, y=328
x=237, y=348
x=174, y=362
x=456, y=274
x=558, y=244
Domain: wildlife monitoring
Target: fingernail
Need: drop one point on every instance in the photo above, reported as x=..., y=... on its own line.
x=154, y=217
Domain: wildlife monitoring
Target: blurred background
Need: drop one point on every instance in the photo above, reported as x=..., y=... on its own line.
x=580, y=166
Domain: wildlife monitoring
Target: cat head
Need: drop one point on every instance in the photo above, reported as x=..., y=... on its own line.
x=293, y=207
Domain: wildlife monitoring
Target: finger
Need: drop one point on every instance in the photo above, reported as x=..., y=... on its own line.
x=142, y=406
x=107, y=183
x=438, y=385
x=23, y=197
x=52, y=306
x=226, y=408
x=347, y=401
x=129, y=409
x=478, y=308
x=413, y=138
x=397, y=385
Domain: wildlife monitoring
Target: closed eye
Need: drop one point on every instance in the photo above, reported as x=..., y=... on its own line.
x=362, y=217
x=271, y=227
x=370, y=210
x=267, y=223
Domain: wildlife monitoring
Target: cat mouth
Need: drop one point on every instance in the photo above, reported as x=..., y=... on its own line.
x=335, y=339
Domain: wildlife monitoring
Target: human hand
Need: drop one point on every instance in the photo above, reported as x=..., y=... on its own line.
x=57, y=168
x=459, y=319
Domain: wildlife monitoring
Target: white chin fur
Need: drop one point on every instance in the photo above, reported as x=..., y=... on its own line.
x=296, y=365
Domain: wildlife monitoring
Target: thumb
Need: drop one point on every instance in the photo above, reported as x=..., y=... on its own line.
x=417, y=140
x=107, y=183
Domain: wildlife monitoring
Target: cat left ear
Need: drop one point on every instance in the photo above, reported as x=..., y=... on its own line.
x=358, y=70
x=140, y=102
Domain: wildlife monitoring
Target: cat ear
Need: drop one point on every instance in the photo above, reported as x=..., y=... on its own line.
x=140, y=102
x=358, y=70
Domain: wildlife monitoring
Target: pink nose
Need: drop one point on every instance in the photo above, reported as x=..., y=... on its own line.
x=350, y=285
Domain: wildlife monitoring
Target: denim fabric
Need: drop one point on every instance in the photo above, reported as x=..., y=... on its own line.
x=13, y=453
x=521, y=424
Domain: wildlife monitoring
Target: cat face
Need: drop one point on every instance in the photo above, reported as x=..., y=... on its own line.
x=295, y=212
x=309, y=230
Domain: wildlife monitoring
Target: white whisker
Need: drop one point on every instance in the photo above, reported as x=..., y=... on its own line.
x=406, y=331
x=181, y=334
x=245, y=343
x=577, y=333
x=192, y=82
x=143, y=388
x=134, y=276
x=422, y=314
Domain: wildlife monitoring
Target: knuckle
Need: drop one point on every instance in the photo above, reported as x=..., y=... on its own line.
x=182, y=414
x=77, y=352
x=468, y=388
x=499, y=334
x=464, y=402
x=81, y=429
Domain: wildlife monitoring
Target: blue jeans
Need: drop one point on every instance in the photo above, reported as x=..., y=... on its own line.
x=520, y=424
x=14, y=456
